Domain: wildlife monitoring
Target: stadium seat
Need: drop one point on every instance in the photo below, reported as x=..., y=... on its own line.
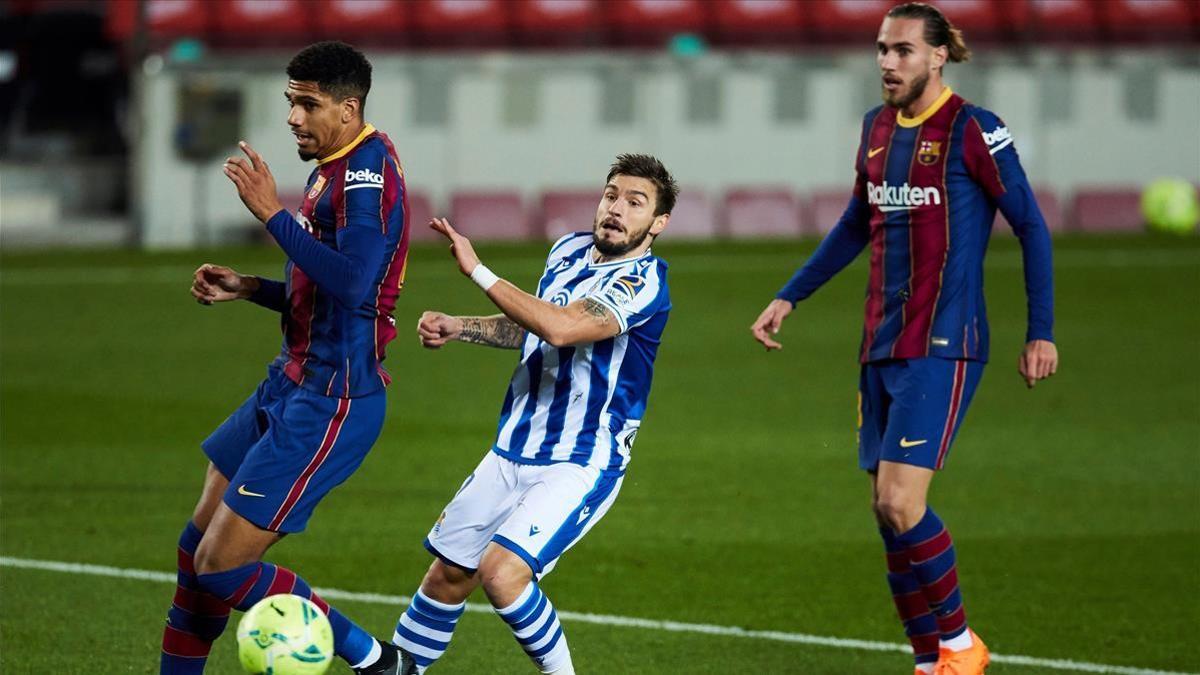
x=856, y=21
x=384, y=23
x=1050, y=205
x=1107, y=209
x=497, y=216
x=250, y=23
x=459, y=23
x=564, y=211
x=824, y=210
x=165, y=19
x=761, y=213
x=1158, y=21
x=980, y=20
x=420, y=211
x=654, y=22
x=1063, y=21
x=758, y=22
x=557, y=23
x=693, y=217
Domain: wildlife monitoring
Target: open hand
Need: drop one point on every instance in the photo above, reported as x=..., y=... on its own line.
x=255, y=184
x=768, y=323
x=436, y=329
x=460, y=246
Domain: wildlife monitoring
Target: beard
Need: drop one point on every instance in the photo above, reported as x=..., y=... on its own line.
x=610, y=249
x=914, y=92
x=305, y=156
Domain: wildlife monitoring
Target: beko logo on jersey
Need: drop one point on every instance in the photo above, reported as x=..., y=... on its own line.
x=363, y=178
x=901, y=198
x=997, y=139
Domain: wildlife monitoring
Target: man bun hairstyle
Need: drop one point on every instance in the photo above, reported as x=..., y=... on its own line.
x=338, y=69
x=648, y=167
x=939, y=32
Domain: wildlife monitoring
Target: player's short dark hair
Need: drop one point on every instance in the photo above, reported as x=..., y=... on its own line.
x=648, y=167
x=939, y=32
x=338, y=69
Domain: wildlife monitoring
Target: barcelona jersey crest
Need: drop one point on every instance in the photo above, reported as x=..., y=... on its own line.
x=929, y=152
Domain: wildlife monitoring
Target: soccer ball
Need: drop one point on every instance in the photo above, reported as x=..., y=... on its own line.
x=1169, y=205
x=285, y=635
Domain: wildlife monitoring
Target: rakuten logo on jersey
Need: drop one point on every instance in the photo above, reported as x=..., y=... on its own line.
x=901, y=198
x=363, y=178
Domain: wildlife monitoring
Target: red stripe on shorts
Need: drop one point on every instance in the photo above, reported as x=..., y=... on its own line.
x=960, y=372
x=301, y=483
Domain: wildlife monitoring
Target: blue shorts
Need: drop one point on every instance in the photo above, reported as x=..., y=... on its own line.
x=910, y=409
x=286, y=447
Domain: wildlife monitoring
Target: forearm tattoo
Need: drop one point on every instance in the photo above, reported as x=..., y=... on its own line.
x=493, y=331
x=597, y=309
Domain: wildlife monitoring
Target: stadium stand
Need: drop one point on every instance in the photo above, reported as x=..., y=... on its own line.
x=452, y=23
x=420, y=211
x=486, y=215
x=694, y=216
x=1051, y=208
x=482, y=24
x=756, y=212
x=758, y=22
x=552, y=23
x=1107, y=209
x=564, y=211
x=823, y=210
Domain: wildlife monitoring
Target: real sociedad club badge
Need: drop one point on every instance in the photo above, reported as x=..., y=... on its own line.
x=929, y=152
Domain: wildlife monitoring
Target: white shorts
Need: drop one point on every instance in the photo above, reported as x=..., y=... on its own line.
x=537, y=512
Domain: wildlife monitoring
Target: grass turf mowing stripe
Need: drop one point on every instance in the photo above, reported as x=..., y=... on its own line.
x=608, y=620
x=698, y=262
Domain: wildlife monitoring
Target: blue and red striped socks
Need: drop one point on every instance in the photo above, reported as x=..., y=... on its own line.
x=243, y=586
x=931, y=558
x=919, y=623
x=195, y=619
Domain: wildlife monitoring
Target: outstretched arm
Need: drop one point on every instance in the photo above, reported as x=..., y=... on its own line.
x=436, y=329
x=839, y=248
x=581, y=322
x=216, y=283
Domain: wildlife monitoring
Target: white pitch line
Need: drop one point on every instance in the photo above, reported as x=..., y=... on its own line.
x=610, y=620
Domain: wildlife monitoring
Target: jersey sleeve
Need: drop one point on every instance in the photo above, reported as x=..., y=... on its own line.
x=991, y=159
x=349, y=271
x=634, y=295
x=847, y=238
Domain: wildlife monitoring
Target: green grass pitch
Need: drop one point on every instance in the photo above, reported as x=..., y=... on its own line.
x=1075, y=507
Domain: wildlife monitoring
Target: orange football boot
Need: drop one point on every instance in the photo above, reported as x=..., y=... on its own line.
x=970, y=661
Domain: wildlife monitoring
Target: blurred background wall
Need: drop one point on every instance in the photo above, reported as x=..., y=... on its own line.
x=116, y=115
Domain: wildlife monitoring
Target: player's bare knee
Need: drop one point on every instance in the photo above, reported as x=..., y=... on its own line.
x=446, y=583
x=501, y=572
x=899, y=511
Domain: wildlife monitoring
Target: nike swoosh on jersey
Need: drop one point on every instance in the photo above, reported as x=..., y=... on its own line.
x=875, y=151
x=243, y=491
x=905, y=443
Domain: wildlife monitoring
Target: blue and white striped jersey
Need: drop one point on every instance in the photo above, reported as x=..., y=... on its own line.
x=584, y=404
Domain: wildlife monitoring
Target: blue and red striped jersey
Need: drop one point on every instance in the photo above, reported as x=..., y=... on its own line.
x=924, y=200
x=347, y=248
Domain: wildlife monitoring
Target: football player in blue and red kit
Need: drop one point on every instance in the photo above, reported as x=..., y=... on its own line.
x=931, y=171
x=313, y=419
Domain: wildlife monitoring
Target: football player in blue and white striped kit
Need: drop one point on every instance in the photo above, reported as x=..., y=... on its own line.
x=588, y=340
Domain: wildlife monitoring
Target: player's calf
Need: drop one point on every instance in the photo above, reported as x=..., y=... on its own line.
x=196, y=618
